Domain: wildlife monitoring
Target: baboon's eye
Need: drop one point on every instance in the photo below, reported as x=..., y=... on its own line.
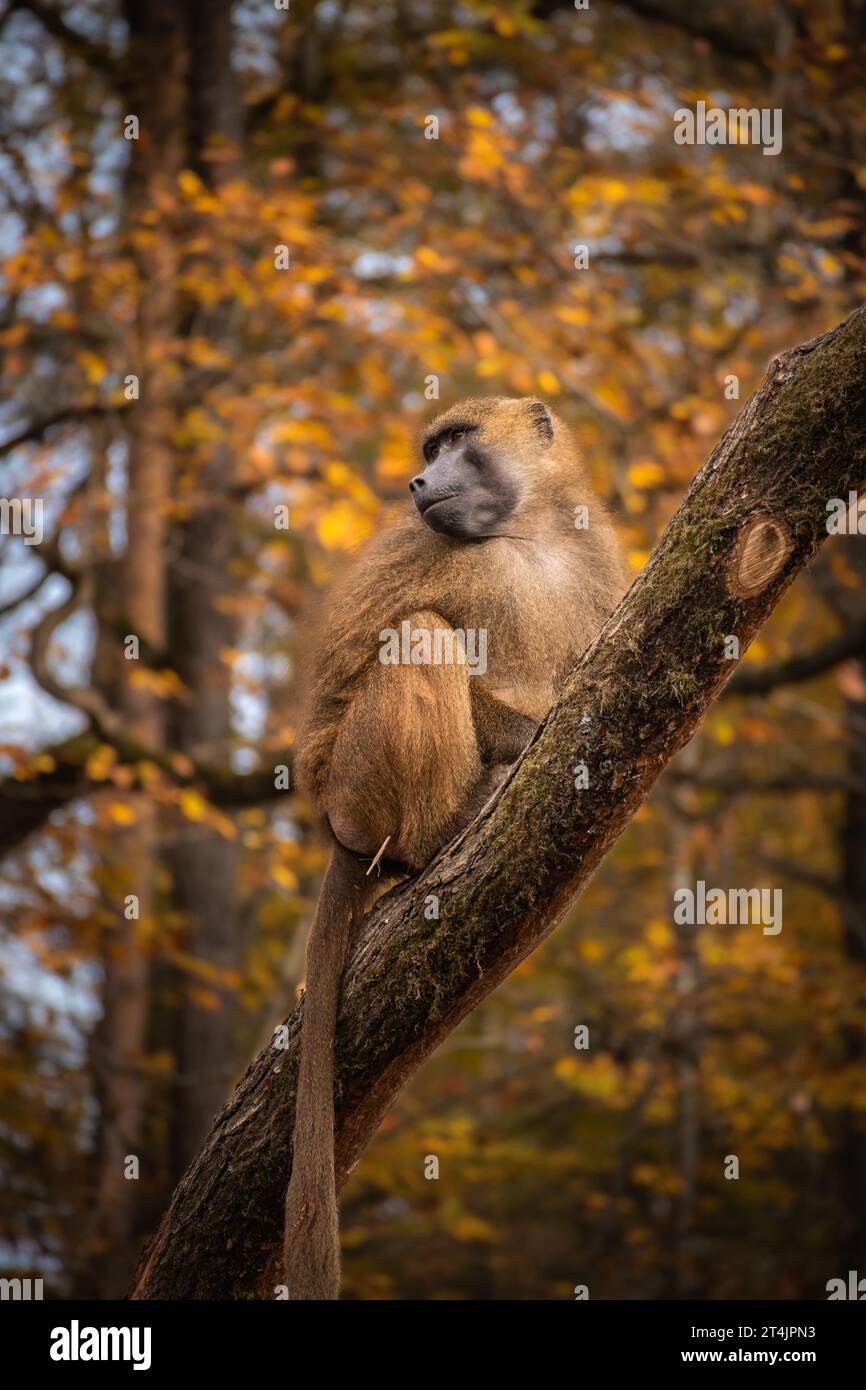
x=431, y=451
x=457, y=434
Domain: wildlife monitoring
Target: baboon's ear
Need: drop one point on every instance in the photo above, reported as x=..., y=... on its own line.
x=540, y=417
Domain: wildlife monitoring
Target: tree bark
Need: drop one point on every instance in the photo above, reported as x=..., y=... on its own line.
x=754, y=516
x=850, y=605
x=156, y=61
x=203, y=625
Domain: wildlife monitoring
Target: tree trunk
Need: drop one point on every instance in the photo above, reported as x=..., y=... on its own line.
x=853, y=1136
x=687, y=1037
x=156, y=59
x=755, y=515
x=852, y=1139
x=204, y=862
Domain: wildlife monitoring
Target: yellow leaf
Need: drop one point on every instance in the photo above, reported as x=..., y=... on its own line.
x=95, y=368
x=659, y=934
x=121, y=813
x=612, y=394
x=549, y=383
x=645, y=473
x=303, y=432
x=99, y=764
x=163, y=684
x=284, y=876
x=190, y=183
x=577, y=316
x=470, y=1228
x=342, y=526
x=566, y=1068
x=221, y=824
x=193, y=805
x=430, y=259
x=479, y=116
x=614, y=190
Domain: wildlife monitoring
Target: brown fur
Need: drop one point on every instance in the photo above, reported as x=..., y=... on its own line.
x=413, y=751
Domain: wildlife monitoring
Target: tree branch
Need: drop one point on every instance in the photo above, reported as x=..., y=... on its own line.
x=35, y=432
x=85, y=699
x=10, y=604
x=754, y=516
x=732, y=783
x=97, y=55
x=760, y=680
x=742, y=36
x=27, y=802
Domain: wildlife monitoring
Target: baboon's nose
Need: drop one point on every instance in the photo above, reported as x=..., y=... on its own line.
x=417, y=484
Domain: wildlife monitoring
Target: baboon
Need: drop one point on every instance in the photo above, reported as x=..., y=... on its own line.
x=402, y=753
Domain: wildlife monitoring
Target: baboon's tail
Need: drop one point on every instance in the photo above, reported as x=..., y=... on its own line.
x=312, y=1236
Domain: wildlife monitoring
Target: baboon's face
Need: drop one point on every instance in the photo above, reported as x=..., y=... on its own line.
x=465, y=490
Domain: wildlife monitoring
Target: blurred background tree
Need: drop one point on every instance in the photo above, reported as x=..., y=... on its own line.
x=245, y=251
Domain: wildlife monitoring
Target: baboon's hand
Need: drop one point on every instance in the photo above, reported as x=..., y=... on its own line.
x=502, y=732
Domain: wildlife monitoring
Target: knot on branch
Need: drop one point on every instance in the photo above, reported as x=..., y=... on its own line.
x=762, y=547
